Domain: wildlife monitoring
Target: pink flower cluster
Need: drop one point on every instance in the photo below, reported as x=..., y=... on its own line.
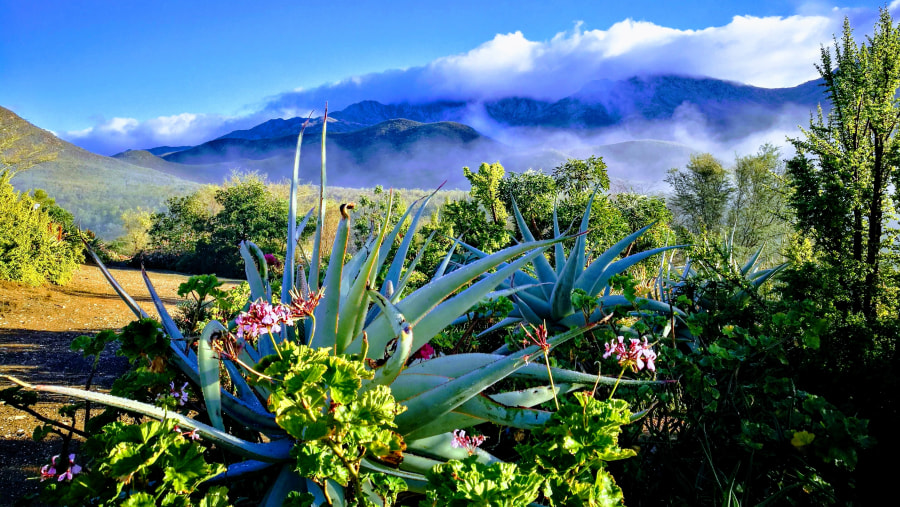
x=461, y=441
x=193, y=435
x=179, y=394
x=261, y=318
x=426, y=352
x=636, y=354
x=49, y=471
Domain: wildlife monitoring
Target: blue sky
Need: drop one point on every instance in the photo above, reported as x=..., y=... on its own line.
x=110, y=75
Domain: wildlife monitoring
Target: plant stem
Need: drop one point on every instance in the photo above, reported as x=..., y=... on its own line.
x=617, y=382
x=549, y=374
x=274, y=344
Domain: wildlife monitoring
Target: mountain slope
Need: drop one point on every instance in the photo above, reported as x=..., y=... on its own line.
x=94, y=188
x=397, y=152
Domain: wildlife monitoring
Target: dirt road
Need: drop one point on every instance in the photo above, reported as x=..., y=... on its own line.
x=37, y=324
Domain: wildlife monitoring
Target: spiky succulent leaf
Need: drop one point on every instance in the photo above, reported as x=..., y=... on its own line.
x=208, y=368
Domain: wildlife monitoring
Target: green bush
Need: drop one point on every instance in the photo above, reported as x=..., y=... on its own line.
x=33, y=246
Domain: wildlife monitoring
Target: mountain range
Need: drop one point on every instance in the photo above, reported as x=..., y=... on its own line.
x=641, y=126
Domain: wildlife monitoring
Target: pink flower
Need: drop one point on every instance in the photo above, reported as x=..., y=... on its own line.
x=461, y=441
x=426, y=352
x=636, y=354
x=261, y=318
x=271, y=260
x=47, y=472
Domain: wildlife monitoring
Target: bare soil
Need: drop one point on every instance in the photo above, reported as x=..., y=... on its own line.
x=37, y=324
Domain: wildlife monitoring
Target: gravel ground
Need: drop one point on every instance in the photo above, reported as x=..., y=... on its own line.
x=37, y=324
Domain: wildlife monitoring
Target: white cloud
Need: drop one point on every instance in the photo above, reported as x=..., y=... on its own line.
x=108, y=137
x=761, y=51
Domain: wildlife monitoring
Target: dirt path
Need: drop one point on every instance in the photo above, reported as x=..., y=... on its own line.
x=37, y=324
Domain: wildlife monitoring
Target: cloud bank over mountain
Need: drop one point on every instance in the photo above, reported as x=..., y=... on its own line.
x=761, y=51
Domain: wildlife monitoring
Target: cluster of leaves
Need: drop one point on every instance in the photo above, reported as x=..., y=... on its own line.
x=747, y=202
x=563, y=464
x=202, y=297
x=737, y=428
x=190, y=237
x=317, y=398
x=35, y=248
x=146, y=464
x=148, y=352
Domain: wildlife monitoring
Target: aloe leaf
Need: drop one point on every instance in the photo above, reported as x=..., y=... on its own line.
x=439, y=272
x=237, y=470
x=443, y=424
x=129, y=301
x=244, y=392
x=425, y=298
x=254, y=278
x=533, y=395
x=586, y=281
x=446, y=397
x=417, y=464
x=374, y=466
x=539, y=306
x=490, y=297
x=404, y=335
x=529, y=314
x=286, y=481
x=480, y=410
x=393, y=274
x=407, y=386
x=389, y=239
x=751, y=262
x=411, y=268
x=437, y=319
x=760, y=278
x=329, y=308
x=441, y=446
x=208, y=363
x=561, y=295
x=558, y=252
x=287, y=278
x=320, y=220
x=274, y=451
x=459, y=364
x=167, y=322
x=544, y=270
x=509, y=321
x=355, y=307
x=622, y=264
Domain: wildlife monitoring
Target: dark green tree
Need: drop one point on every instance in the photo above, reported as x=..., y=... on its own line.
x=848, y=158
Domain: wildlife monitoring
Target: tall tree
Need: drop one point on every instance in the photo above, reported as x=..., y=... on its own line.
x=849, y=157
x=700, y=194
x=757, y=213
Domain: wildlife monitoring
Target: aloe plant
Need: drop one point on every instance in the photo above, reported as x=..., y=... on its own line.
x=383, y=326
x=545, y=292
x=718, y=268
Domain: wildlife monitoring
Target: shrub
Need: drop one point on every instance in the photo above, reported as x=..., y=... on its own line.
x=33, y=247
